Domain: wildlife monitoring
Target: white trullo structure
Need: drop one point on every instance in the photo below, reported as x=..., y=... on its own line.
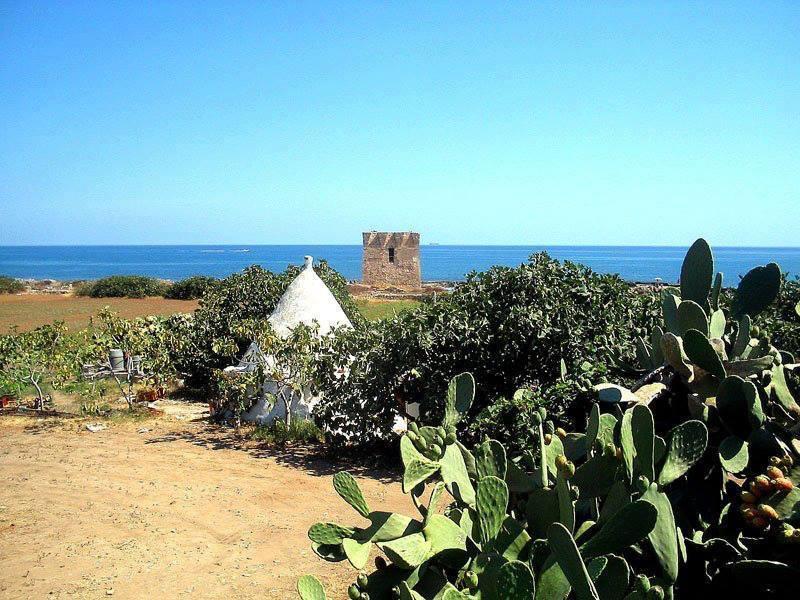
x=306, y=300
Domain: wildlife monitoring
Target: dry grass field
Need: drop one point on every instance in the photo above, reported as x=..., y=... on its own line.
x=31, y=310
x=27, y=311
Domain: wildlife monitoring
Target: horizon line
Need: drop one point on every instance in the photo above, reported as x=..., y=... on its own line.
x=433, y=244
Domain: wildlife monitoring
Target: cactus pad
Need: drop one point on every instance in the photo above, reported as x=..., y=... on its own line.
x=692, y=316
x=664, y=537
x=644, y=436
x=570, y=561
x=614, y=580
x=687, y=443
x=757, y=290
x=700, y=351
x=669, y=310
x=448, y=541
x=329, y=533
x=492, y=502
x=696, y=272
x=347, y=487
x=455, y=476
x=629, y=525
x=734, y=454
x=310, y=588
x=417, y=471
x=357, y=552
x=672, y=347
x=460, y=394
x=514, y=581
x=407, y=552
x=490, y=459
x=739, y=406
x=385, y=526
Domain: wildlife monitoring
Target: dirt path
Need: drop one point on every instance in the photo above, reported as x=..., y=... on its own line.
x=178, y=511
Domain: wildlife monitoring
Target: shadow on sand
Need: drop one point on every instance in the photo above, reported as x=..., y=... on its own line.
x=315, y=460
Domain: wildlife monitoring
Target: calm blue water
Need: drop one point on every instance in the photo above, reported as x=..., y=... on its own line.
x=449, y=263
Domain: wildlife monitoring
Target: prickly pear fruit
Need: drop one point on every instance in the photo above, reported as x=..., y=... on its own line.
x=762, y=485
x=774, y=473
x=748, y=513
x=561, y=432
x=748, y=497
x=353, y=592
x=362, y=580
x=783, y=484
x=758, y=522
x=769, y=513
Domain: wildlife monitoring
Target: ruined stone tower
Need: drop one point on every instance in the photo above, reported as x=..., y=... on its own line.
x=391, y=259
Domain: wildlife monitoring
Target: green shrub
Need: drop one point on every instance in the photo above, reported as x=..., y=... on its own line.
x=123, y=286
x=9, y=285
x=226, y=321
x=191, y=288
x=299, y=431
x=781, y=320
x=511, y=327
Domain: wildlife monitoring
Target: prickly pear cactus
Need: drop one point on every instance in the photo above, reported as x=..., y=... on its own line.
x=682, y=486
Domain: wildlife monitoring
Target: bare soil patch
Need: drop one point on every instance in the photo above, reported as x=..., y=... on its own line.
x=167, y=508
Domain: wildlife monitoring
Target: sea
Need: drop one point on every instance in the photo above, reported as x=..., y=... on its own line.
x=439, y=263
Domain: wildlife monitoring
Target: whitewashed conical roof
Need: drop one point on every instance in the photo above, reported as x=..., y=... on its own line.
x=307, y=299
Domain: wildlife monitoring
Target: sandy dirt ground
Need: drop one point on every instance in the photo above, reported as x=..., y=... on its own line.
x=166, y=508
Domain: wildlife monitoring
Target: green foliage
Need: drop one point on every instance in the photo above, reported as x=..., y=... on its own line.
x=32, y=359
x=510, y=327
x=498, y=538
x=780, y=322
x=299, y=431
x=9, y=285
x=231, y=315
x=676, y=490
x=123, y=286
x=191, y=288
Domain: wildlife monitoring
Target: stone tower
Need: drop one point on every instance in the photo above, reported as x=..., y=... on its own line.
x=391, y=259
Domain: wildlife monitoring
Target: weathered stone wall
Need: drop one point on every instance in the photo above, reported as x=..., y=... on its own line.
x=378, y=271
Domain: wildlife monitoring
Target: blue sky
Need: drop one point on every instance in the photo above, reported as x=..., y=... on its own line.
x=478, y=123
